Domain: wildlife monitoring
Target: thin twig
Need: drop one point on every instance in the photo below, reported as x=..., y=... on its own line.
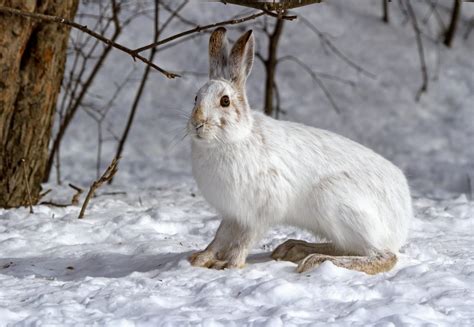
x=74, y=200
x=55, y=204
x=27, y=182
x=76, y=197
x=174, y=13
x=421, y=53
x=141, y=87
x=199, y=29
x=106, y=176
x=112, y=193
x=336, y=50
x=76, y=102
x=42, y=195
x=315, y=78
x=469, y=29
x=433, y=11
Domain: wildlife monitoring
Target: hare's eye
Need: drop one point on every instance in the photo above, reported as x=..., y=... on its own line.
x=225, y=101
x=195, y=99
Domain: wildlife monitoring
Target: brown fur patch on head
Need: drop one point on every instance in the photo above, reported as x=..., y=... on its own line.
x=218, y=54
x=198, y=114
x=241, y=105
x=216, y=41
x=241, y=58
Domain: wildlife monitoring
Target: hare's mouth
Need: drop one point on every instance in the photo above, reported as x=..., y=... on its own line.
x=200, y=136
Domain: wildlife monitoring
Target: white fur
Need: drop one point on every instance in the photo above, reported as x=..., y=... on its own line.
x=259, y=172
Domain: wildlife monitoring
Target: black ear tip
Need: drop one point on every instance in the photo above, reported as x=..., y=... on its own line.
x=220, y=30
x=248, y=34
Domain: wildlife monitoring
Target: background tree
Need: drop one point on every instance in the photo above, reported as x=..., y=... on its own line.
x=32, y=59
x=33, y=43
x=33, y=51
x=448, y=38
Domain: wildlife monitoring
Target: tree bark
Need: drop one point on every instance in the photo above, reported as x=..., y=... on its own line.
x=385, y=16
x=32, y=60
x=270, y=65
x=449, y=36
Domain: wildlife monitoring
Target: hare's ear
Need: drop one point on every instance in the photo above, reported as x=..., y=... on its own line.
x=218, y=54
x=241, y=58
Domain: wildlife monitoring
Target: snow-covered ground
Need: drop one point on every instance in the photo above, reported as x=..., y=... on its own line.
x=125, y=263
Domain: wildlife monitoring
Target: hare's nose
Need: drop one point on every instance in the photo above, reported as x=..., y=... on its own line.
x=198, y=126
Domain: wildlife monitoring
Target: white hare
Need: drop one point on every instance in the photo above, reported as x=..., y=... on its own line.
x=258, y=172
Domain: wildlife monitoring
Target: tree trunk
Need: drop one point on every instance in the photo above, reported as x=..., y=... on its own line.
x=32, y=59
x=270, y=66
x=385, y=17
x=448, y=38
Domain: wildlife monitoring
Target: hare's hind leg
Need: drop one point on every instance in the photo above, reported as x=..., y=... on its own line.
x=296, y=250
x=377, y=262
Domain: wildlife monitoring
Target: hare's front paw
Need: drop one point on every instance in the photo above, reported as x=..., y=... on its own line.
x=202, y=259
x=208, y=260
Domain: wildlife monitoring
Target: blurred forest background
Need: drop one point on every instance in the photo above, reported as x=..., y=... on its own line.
x=396, y=76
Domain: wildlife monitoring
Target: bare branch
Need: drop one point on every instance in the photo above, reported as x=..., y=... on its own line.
x=42, y=195
x=385, y=17
x=469, y=29
x=315, y=78
x=334, y=49
x=433, y=11
x=55, y=204
x=83, y=28
x=74, y=200
x=143, y=81
x=76, y=101
x=421, y=53
x=174, y=13
x=199, y=29
x=272, y=5
x=449, y=36
x=77, y=195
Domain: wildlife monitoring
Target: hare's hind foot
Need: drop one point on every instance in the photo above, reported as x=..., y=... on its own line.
x=380, y=261
x=310, y=255
x=296, y=250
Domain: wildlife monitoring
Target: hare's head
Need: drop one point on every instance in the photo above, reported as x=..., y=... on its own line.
x=221, y=112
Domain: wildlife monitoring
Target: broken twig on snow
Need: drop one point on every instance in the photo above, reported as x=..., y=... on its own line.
x=106, y=176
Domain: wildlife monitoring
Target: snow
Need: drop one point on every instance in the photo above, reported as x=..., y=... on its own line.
x=125, y=263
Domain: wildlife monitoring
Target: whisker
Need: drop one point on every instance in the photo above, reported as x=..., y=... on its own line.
x=178, y=138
